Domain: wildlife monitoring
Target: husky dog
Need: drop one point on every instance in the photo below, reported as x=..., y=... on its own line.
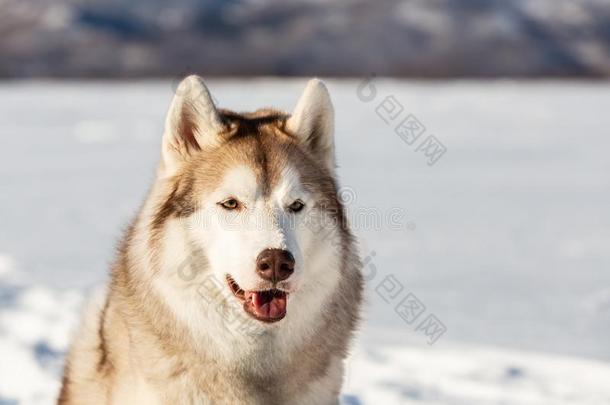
x=238, y=282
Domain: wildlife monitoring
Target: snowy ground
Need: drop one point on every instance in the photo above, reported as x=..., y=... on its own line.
x=505, y=240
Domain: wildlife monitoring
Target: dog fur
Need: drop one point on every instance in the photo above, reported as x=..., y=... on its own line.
x=168, y=329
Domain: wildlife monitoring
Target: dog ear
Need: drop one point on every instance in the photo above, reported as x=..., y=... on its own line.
x=312, y=122
x=192, y=123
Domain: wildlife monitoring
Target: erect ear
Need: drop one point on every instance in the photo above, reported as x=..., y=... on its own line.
x=192, y=123
x=312, y=122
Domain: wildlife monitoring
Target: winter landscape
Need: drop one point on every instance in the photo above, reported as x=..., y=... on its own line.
x=500, y=233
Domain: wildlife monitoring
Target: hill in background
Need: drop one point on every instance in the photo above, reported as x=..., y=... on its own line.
x=429, y=38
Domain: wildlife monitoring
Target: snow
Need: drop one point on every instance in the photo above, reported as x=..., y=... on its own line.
x=473, y=375
x=35, y=325
x=504, y=239
x=6, y=265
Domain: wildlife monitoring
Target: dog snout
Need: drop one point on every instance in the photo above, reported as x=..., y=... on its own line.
x=275, y=264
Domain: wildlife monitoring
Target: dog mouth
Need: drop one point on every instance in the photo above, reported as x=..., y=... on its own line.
x=263, y=305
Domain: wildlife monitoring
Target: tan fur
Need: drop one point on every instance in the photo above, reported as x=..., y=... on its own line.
x=133, y=349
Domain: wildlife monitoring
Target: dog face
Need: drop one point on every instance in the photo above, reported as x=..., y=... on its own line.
x=257, y=195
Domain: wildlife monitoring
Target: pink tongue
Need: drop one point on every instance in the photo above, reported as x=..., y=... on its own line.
x=269, y=305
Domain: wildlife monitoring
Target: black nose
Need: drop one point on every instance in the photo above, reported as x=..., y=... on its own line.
x=275, y=264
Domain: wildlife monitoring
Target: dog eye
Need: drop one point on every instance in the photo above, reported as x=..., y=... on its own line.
x=229, y=204
x=296, y=206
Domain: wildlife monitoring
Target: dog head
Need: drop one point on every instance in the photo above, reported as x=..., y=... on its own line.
x=255, y=193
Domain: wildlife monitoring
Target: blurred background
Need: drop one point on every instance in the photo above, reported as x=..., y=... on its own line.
x=415, y=38
x=472, y=141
